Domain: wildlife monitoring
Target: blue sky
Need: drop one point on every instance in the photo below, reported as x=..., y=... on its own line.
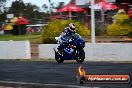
x=38, y=2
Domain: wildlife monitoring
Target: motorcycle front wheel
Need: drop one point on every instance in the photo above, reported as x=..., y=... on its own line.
x=79, y=55
x=58, y=57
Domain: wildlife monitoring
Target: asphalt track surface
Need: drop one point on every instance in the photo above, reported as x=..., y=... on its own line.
x=40, y=73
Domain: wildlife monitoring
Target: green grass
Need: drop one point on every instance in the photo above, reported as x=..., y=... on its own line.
x=32, y=37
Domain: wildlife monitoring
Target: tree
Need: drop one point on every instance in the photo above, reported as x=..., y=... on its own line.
x=28, y=10
x=121, y=26
x=17, y=8
x=2, y=10
x=44, y=6
x=2, y=5
x=60, y=5
x=49, y=9
x=31, y=11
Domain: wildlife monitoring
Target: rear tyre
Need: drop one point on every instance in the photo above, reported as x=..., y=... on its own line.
x=79, y=55
x=58, y=57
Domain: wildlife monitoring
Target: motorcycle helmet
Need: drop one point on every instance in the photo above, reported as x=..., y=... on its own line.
x=72, y=26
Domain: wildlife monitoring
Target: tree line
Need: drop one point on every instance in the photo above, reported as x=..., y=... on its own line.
x=28, y=10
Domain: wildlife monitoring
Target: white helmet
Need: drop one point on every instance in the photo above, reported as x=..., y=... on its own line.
x=72, y=26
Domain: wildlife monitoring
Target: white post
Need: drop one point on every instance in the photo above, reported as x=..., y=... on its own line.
x=50, y=7
x=92, y=22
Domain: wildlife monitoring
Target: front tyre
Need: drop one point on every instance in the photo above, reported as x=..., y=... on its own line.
x=58, y=57
x=79, y=55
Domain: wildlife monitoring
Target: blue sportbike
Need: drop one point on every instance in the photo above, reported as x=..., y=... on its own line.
x=72, y=48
